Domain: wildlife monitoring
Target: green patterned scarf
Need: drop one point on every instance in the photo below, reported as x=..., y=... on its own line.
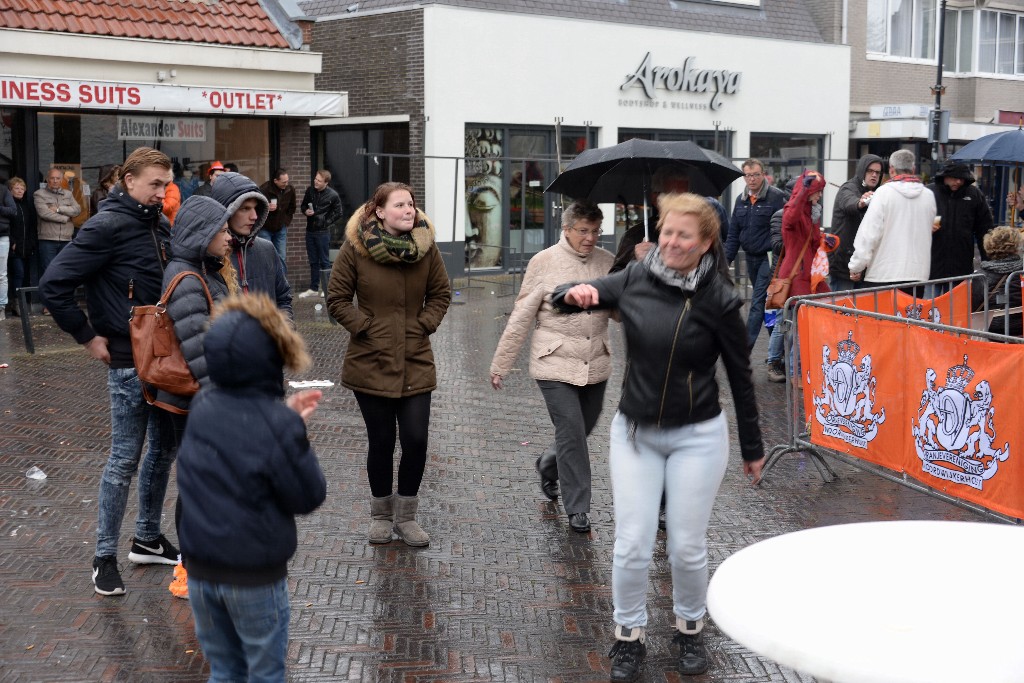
x=387, y=248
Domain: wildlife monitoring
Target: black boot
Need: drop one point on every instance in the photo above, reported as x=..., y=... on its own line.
x=627, y=655
x=693, y=656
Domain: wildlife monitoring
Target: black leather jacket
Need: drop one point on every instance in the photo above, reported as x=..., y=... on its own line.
x=674, y=340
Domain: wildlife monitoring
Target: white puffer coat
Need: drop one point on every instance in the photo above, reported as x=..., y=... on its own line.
x=565, y=348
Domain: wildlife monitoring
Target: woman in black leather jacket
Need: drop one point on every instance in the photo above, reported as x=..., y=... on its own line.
x=680, y=315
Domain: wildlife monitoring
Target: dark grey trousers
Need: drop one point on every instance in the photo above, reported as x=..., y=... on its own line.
x=574, y=411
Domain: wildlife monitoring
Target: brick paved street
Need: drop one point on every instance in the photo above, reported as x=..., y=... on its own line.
x=505, y=592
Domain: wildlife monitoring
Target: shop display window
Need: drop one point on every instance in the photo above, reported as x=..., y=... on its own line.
x=786, y=156
x=85, y=142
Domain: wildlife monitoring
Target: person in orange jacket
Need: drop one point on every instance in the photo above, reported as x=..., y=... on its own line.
x=172, y=202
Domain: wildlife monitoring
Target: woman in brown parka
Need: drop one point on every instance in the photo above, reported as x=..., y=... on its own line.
x=390, y=290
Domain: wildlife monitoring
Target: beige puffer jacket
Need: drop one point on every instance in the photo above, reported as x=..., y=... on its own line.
x=570, y=348
x=55, y=210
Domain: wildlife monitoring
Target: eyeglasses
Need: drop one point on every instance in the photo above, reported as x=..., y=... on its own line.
x=873, y=172
x=752, y=175
x=586, y=233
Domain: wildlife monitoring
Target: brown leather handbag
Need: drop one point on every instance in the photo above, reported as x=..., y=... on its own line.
x=778, y=288
x=155, y=348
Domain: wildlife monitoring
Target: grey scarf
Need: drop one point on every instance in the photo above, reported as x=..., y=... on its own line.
x=673, y=278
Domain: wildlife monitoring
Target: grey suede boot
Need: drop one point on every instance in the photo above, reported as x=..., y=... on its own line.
x=382, y=513
x=405, y=522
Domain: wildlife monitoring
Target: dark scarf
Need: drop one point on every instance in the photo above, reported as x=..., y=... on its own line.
x=389, y=249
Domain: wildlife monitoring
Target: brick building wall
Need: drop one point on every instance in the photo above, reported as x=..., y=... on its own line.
x=296, y=159
x=378, y=60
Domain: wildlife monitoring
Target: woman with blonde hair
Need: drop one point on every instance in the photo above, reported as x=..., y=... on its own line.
x=680, y=315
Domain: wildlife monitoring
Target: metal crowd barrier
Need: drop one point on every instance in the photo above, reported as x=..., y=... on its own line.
x=798, y=426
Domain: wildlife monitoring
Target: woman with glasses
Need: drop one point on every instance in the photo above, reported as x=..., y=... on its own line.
x=570, y=358
x=680, y=315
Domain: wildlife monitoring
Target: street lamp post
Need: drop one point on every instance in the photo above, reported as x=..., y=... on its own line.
x=938, y=88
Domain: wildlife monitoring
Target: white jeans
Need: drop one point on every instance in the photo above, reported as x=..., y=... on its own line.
x=5, y=251
x=688, y=464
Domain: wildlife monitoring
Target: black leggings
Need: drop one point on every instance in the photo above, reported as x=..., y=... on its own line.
x=411, y=414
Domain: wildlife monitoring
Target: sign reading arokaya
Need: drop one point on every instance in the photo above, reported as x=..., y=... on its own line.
x=684, y=79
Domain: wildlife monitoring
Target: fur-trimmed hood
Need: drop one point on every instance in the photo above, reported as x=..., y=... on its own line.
x=249, y=344
x=422, y=234
x=231, y=189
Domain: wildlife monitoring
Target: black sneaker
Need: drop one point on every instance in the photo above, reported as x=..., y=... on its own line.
x=158, y=551
x=693, y=656
x=627, y=660
x=106, y=576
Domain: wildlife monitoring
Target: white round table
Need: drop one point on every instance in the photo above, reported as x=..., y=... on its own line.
x=881, y=602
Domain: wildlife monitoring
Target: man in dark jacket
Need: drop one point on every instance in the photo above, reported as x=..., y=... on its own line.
x=281, y=196
x=966, y=218
x=8, y=211
x=118, y=255
x=851, y=202
x=255, y=261
x=322, y=207
x=750, y=229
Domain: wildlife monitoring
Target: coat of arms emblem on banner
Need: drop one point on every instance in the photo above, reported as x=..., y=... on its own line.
x=955, y=430
x=846, y=406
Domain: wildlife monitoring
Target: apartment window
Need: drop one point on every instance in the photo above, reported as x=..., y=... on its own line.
x=1000, y=38
x=903, y=28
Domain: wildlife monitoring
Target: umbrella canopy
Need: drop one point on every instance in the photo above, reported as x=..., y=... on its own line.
x=623, y=173
x=998, y=148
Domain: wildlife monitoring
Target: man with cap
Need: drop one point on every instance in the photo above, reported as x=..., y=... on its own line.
x=966, y=217
x=212, y=173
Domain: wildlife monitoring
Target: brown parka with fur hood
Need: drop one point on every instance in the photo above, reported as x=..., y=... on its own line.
x=390, y=310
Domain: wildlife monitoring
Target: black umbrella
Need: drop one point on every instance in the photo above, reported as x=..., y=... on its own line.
x=623, y=173
x=998, y=149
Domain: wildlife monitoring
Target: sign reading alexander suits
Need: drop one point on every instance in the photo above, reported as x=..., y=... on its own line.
x=169, y=128
x=72, y=94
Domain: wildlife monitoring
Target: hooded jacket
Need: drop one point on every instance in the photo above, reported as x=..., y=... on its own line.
x=674, y=339
x=966, y=218
x=56, y=211
x=199, y=221
x=390, y=311
x=847, y=216
x=564, y=348
x=245, y=466
x=894, y=242
x=118, y=256
x=256, y=261
x=797, y=228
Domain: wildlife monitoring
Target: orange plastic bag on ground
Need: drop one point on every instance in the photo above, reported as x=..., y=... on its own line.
x=179, y=585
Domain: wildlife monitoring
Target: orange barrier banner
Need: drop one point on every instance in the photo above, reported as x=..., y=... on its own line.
x=952, y=308
x=941, y=409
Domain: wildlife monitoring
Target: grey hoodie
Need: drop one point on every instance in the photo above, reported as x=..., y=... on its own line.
x=197, y=223
x=255, y=260
x=847, y=216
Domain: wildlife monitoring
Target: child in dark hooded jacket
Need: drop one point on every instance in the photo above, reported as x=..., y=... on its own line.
x=245, y=469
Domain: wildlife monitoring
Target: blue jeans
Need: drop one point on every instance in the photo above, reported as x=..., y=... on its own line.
x=777, y=342
x=279, y=240
x=131, y=419
x=686, y=463
x=318, y=249
x=760, y=274
x=48, y=250
x=243, y=630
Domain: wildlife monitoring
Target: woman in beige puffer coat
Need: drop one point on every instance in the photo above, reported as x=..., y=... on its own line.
x=570, y=357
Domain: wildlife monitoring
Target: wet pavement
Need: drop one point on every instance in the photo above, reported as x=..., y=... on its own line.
x=505, y=591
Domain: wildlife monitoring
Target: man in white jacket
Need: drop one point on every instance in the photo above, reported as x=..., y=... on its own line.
x=894, y=242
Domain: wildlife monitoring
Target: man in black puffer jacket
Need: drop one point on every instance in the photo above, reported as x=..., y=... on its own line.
x=255, y=261
x=118, y=255
x=966, y=218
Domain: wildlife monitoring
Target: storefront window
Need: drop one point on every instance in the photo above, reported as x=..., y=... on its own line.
x=6, y=143
x=85, y=142
x=509, y=216
x=787, y=156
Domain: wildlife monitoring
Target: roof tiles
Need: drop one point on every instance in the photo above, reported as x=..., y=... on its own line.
x=242, y=23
